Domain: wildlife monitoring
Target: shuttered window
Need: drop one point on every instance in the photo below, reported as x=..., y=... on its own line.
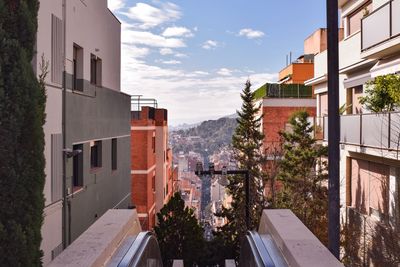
x=56, y=49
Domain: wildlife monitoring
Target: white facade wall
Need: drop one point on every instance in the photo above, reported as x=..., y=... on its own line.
x=85, y=19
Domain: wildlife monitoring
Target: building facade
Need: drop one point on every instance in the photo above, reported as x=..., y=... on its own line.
x=151, y=167
x=143, y=162
x=87, y=118
x=369, y=163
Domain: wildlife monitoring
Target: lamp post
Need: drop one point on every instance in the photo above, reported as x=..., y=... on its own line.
x=224, y=182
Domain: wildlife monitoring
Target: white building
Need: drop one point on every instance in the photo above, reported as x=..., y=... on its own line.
x=80, y=39
x=369, y=164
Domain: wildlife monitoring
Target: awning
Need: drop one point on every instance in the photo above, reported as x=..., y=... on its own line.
x=316, y=80
x=386, y=66
x=284, y=80
x=357, y=80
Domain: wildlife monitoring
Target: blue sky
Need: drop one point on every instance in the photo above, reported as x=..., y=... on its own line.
x=194, y=56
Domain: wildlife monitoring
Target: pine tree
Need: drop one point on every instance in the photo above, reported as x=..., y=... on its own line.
x=304, y=176
x=22, y=105
x=178, y=233
x=246, y=142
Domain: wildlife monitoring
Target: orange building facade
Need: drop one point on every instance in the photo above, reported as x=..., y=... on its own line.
x=151, y=162
x=143, y=162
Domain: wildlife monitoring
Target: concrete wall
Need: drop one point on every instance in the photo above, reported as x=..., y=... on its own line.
x=103, y=117
x=93, y=18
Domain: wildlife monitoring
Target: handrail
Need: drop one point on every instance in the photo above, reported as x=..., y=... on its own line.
x=144, y=248
x=263, y=252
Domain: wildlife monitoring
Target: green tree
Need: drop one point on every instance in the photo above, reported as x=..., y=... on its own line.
x=304, y=175
x=246, y=142
x=22, y=105
x=382, y=94
x=178, y=232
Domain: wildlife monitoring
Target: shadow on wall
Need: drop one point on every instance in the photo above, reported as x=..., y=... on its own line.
x=367, y=241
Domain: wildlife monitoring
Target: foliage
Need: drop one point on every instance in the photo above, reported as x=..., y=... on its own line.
x=382, y=94
x=246, y=141
x=303, y=175
x=22, y=106
x=178, y=233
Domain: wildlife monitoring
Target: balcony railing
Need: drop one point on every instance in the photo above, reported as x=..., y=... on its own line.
x=374, y=130
x=274, y=90
x=381, y=25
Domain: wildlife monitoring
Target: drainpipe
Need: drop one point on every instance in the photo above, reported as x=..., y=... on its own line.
x=64, y=93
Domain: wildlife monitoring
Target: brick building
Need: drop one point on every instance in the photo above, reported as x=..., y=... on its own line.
x=143, y=161
x=151, y=173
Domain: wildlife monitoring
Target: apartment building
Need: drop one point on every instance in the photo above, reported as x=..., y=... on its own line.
x=143, y=162
x=369, y=163
x=87, y=118
x=151, y=162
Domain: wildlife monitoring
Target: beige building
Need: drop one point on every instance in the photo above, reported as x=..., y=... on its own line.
x=369, y=163
x=86, y=113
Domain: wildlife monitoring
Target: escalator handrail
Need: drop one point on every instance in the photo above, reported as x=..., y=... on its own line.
x=261, y=254
x=133, y=255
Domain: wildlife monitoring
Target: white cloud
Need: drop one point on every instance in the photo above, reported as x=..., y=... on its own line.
x=166, y=51
x=189, y=96
x=171, y=62
x=210, y=44
x=177, y=32
x=180, y=55
x=250, y=33
x=115, y=5
x=150, y=39
x=225, y=72
x=150, y=16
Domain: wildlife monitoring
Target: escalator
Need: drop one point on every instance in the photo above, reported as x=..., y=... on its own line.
x=260, y=251
x=137, y=251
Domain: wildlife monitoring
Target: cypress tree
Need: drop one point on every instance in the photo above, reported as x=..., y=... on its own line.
x=246, y=142
x=178, y=233
x=304, y=176
x=22, y=105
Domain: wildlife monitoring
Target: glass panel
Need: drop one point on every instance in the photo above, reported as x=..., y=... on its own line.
x=376, y=27
x=350, y=129
x=396, y=17
x=375, y=130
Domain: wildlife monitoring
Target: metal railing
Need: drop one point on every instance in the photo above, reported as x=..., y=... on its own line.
x=380, y=25
x=275, y=90
x=374, y=130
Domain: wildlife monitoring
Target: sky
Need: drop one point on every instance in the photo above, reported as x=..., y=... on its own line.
x=194, y=56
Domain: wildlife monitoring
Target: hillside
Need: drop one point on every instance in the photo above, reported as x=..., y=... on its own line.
x=208, y=137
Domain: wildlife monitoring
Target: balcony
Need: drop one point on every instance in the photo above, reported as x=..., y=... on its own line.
x=370, y=131
x=381, y=31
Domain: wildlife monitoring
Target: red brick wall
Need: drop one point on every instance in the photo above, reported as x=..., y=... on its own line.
x=143, y=158
x=274, y=120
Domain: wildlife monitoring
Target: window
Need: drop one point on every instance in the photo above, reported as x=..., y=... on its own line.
x=95, y=70
x=153, y=144
x=56, y=50
x=153, y=183
x=78, y=168
x=95, y=154
x=114, y=150
x=354, y=19
x=77, y=68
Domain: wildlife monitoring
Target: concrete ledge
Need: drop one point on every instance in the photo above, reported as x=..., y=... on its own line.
x=298, y=244
x=96, y=245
